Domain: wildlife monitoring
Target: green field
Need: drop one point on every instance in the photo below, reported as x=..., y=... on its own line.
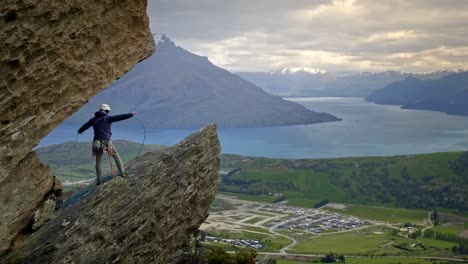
x=249, y=197
x=413, y=181
x=346, y=243
x=261, y=213
x=238, y=217
x=428, y=242
x=220, y=205
x=282, y=261
x=254, y=220
x=255, y=229
x=376, y=261
x=379, y=240
x=453, y=230
x=392, y=215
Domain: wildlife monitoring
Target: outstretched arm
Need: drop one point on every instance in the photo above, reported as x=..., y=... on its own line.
x=86, y=125
x=117, y=118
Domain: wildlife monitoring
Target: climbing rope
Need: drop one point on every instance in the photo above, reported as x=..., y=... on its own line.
x=70, y=167
x=69, y=157
x=144, y=138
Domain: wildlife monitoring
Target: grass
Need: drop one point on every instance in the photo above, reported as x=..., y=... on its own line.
x=392, y=261
x=347, y=243
x=391, y=215
x=296, y=184
x=359, y=242
x=248, y=197
x=255, y=229
x=261, y=213
x=306, y=203
x=454, y=230
x=238, y=217
x=440, y=244
x=397, y=181
x=254, y=220
x=221, y=205
x=376, y=261
x=283, y=261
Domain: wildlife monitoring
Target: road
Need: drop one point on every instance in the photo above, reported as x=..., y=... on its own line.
x=247, y=210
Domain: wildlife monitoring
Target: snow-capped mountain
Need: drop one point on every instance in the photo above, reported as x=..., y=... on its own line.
x=316, y=82
x=294, y=70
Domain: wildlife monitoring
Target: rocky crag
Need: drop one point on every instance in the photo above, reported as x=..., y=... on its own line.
x=141, y=219
x=55, y=55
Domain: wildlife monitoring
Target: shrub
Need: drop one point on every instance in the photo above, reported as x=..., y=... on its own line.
x=245, y=256
x=217, y=255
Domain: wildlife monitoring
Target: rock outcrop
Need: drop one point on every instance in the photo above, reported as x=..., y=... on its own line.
x=141, y=219
x=55, y=55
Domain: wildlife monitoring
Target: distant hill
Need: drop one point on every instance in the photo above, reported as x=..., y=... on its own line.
x=448, y=94
x=177, y=89
x=438, y=180
x=303, y=82
x=70, y=161
x=412, y=181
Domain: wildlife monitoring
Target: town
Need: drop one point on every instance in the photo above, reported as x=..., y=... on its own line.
x=277, y=220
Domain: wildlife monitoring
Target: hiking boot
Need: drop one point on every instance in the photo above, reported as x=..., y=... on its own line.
x=125, y=175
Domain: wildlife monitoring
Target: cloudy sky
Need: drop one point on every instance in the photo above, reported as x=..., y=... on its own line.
x=336, y=35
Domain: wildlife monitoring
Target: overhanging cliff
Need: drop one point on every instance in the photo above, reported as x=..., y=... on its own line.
x=55, y=55
x=141, y=219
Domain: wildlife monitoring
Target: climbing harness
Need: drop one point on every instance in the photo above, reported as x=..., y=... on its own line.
x=108, y=151
x=106, y=148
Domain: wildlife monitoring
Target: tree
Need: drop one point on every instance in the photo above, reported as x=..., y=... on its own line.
x=329, y=258
x=195, y=256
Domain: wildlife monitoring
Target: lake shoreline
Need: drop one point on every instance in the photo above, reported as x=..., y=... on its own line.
x=367, y=129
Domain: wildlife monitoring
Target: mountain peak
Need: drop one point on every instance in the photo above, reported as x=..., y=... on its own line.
x=162, y=40
x=295, y=70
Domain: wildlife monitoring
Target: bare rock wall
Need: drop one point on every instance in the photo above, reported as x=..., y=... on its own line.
x=55, y=55
x=144, y=218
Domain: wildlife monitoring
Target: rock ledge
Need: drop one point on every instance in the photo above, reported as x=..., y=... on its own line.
x=141, y=219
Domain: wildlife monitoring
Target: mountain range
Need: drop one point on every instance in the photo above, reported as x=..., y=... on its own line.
x=296, y=81
x=175, y=88
x=448, y=94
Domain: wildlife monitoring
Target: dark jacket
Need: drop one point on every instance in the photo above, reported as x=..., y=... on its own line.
x=101, y=123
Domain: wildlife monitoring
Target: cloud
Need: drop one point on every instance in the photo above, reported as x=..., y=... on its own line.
x=362, y=35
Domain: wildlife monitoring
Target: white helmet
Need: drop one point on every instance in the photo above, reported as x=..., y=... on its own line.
x=105, y=107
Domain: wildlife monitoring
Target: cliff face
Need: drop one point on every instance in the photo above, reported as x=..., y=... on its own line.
x=55, y=55
x=141, y=219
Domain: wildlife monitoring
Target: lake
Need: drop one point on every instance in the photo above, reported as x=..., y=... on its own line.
x=367, y=129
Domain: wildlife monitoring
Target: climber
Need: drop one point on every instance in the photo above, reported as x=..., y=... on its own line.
x=101, y=123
